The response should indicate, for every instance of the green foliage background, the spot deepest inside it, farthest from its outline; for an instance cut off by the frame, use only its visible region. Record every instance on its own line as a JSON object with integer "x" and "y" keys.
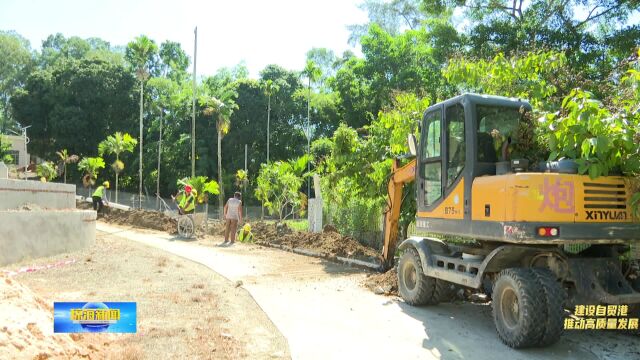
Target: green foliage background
{"x": 575, "y": 61}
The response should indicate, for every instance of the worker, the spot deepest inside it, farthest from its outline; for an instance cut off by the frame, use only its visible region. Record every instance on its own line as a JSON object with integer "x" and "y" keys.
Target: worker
{"x": 245, "y": 234}
{"x": 232, "y": 216}
{"x": 98, "y": 196}
{"x": 188, "y": 201}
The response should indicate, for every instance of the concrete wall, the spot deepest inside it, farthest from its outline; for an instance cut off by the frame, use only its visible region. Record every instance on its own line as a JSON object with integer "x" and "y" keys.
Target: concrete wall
{"x": 32, "y": 234}
{"x": 15, "y": 193}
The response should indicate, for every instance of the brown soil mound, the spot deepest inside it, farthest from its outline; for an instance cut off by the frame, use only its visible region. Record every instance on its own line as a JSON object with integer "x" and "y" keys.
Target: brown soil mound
{"x": 140, "y": 218}
{"x": 26, "y": 330}
{"x": 386, "y": 283}
{"x": 137, "y": 218}
{"x": 329, "y": 242}
{"x": 215, "y": 227}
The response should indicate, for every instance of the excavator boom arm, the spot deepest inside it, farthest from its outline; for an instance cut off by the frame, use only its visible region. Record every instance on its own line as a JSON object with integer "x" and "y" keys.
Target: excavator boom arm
{"x": 400, "y": 176}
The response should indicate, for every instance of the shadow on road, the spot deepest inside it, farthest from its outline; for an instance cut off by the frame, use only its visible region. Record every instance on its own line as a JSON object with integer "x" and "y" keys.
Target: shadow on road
{"x": 466, "y": 331}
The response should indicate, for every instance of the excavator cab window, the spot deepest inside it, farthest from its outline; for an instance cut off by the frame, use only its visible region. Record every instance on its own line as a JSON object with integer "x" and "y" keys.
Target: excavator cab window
{"x": 430, "y": 160}
{"x": 496, "y": 125}
{"x": 455, "y": 142}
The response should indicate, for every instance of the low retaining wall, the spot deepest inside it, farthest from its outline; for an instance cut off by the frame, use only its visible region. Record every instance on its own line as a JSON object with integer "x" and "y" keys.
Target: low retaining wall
{"x": 39, "y": 233}
{"x": 16, "y": 193}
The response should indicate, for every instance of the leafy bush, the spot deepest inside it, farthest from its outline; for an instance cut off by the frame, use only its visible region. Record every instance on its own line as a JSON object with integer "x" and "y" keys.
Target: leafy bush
{"x": 278, "y": 186}
{"x": 5, "y": 147}
{"x": 600, "y": 141}
{"x": 47, "y": 171}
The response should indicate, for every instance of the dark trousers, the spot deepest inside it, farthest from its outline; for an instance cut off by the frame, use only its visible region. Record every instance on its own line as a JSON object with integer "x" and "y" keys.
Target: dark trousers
{"x": 97, "y": 203}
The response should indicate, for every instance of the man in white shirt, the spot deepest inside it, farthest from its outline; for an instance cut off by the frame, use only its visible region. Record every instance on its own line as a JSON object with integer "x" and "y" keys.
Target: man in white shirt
{"x": 232, "y": 216}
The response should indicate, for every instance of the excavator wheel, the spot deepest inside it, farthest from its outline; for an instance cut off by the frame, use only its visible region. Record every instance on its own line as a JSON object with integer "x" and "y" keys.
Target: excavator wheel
{"x": 554, "y": 299}
{"x": 414, "y": 286}
{"x": 518, "y": 313}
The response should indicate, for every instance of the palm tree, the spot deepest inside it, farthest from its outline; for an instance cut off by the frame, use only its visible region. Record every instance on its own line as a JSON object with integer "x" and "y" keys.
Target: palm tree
{"x": 269, "y": 89}
{"x": 91, "y": 166}
{"x": 165, "y": 93}
{"x": 141, "y": 54}
{"x": 66, "y": 159}
{"x": 117, "y": 144}
{"x": 312, "y": 73}
{"x": 222, "y": 112}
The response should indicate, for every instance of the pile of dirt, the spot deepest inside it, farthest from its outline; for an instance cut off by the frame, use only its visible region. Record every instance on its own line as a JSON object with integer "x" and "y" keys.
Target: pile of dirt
{"x": 215, "y": 227}
{"x": 140, "y": 218}
{"x": 383, "y": 284}
{"x": 329, "y": 242}
{"x": 83, "y": 205}
{"x": 26, "y": 329}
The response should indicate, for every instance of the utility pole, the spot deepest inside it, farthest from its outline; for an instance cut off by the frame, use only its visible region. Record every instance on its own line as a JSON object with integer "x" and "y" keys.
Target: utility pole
{"x": 309, "y": 140}
{"x": 159, "y": 155}
{"x": 268, "y": 121}
{"x": 193, "y": 115}
{"x": 141, "y": 138}
{"x": 244, "y": 184}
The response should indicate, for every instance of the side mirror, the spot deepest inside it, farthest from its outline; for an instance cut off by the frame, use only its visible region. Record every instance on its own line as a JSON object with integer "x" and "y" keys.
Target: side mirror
{"x": 413, "y": 147}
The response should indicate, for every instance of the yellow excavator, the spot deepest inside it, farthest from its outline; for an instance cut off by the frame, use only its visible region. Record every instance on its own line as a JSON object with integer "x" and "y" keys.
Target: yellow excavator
{"x": 535, "y": 238}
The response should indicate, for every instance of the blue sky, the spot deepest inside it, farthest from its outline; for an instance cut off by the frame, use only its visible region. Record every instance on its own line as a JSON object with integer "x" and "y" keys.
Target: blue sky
{"x": 256, "y": 32}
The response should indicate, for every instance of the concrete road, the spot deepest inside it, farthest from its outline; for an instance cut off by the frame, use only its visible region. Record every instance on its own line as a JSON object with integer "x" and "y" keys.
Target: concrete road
{"x": 324, "y": 313}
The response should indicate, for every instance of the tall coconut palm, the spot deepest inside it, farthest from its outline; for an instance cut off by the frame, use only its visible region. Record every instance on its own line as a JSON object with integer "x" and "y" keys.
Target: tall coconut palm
{"x": 222, "y": 112}
{"x": 312, "y": 72}
{"x": 141, "y": 54}
{"x": 116, "y": 144}
{"x": 269, "y": 89}
{"x": 165, "y": 93}
{"x": 66, "y": 159}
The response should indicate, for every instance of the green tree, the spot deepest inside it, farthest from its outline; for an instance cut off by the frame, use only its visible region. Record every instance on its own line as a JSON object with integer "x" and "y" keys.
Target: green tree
{"x": 530, "y": 76}
{"x": 392, "y": 16}
{"x": 278, "y": 188}
{"x": 222, "y": 112}
{"x": 174, "y": 61}
{"x": 14, "y": 67}
{"x": 141, "y": 54}
{"x": 269, "y": 88}
{"x": 5, "y": 147}
{"x": 117, "y": 144}
{"x": 326, "y": 61}
{"x": 66, "y": 159}
{"x": 312, "y": 72}
{"x": 75, "y": 100}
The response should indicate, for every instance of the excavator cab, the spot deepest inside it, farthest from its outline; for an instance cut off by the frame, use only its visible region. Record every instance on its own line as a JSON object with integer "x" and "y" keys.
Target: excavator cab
{"x": 490, "y": 222}
{"x": 470, "y": 185}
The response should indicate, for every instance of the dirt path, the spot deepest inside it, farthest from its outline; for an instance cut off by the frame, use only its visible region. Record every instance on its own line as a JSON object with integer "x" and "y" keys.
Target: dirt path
{"x": 185, "y": 311}
{"x": 324, "y": 313}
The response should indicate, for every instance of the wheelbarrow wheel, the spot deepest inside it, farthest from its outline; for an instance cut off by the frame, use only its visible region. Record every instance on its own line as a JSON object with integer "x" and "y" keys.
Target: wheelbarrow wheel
{"x": 185, "y": 226}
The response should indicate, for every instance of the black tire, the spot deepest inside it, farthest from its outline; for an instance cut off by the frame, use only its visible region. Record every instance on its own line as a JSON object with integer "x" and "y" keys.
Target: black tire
{"x": 554, "y": 300}
{"x": 516, "y": 308}
{"x": 413, "y": 285}
{"x": 445, "y": 291}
